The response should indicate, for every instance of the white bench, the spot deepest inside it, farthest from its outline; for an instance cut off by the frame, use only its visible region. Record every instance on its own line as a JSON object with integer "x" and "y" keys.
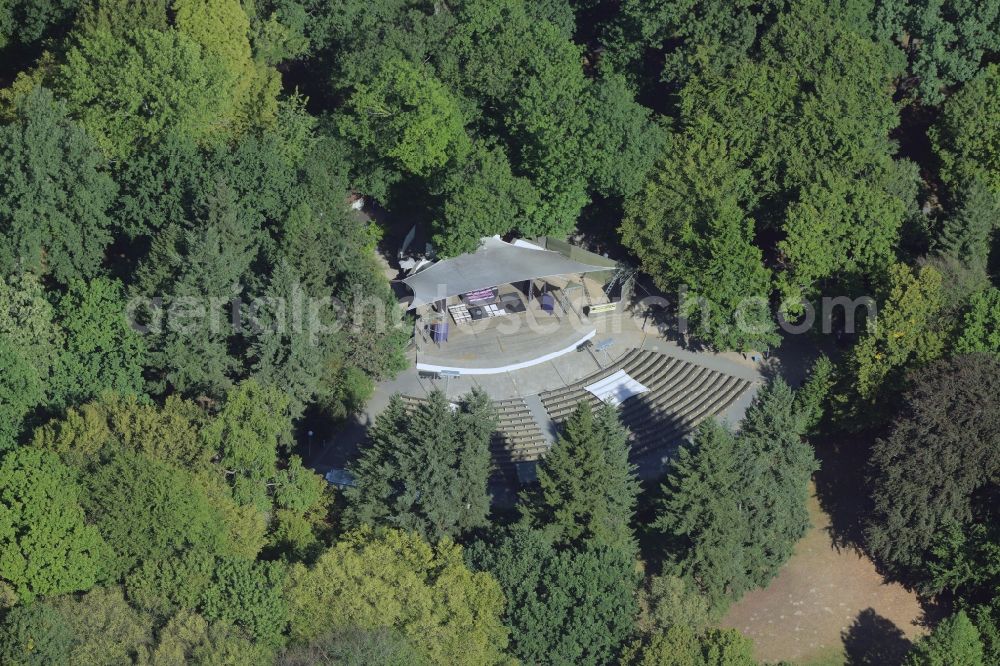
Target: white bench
{"x": 460, "y": 313}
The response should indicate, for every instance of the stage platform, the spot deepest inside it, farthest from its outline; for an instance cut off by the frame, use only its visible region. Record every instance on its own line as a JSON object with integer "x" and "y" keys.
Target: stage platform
{"x": 510, "y": 342}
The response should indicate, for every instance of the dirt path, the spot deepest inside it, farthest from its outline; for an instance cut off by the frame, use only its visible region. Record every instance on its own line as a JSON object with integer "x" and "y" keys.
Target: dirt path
{"x": 828, "y": 607}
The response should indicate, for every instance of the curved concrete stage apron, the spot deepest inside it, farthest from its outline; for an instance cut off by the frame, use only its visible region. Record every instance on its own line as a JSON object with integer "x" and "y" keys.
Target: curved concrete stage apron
{"x": 496, "y": 370}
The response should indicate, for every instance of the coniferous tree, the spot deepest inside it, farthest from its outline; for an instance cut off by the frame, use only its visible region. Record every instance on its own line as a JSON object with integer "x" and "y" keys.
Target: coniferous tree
{"x": 197, "y": 272}
{"x": 966, "y": 233}
{"x": 702, "y": 513}
{"x": 474, "y": 424}
{"x": 776, "y": 467}
{"x": 587, "y": 487}
{"x": 426, "y": 468}
{"x": 736, "y": 505}
{"x": 286, "y": 345}
{"x": 810, "y": 398}
{"x": 54, "y": 193}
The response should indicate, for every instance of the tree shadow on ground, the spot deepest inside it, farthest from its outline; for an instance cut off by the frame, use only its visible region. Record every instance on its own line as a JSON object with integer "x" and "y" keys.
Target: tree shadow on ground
{"x": 873, "y": 640}
{"x": 654, "y": 545}
{"x": 841, "y": 488}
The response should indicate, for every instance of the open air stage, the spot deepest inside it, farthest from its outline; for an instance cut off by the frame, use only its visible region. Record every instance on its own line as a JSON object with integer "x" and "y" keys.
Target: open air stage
{"x": 537, "y": 332}
{"x": 516, "y": 340}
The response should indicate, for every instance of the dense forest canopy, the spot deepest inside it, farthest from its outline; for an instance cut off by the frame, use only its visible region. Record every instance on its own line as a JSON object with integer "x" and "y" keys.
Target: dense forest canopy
{"x": 172, "y": 170}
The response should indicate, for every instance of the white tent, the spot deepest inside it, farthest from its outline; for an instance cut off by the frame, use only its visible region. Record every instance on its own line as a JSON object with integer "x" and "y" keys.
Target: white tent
{"x": 616, "y": 388}
{"x": 494, "y": 263}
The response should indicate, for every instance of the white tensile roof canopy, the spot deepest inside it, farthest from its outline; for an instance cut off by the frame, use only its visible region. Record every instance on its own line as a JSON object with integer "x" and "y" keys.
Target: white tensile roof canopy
{"x": 616, "y": 388}
{"x": 494, "y": 263}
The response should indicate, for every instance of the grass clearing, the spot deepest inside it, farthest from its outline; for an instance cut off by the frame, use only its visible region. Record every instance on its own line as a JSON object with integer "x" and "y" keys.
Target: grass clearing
{"x": 828, "y": 606}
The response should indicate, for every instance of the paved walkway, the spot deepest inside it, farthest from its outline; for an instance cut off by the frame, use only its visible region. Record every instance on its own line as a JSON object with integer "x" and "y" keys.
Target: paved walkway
{"x": 548, "y": 427}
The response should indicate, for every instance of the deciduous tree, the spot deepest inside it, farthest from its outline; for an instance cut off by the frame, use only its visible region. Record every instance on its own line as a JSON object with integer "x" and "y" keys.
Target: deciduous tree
{"x": 105, "y": 628}
{"x": 949, "y": 40}
{"x": 572, "y": 605}
{"x": 839, "y": 226}
{"x": 147, "y": 509}
{"x": 680, "y": 646}
{"x": 907, "y": 330}
{"x": 623, "y": 141}
{"x": 20, "y": 391}
{"x": 979, "y": 330}
{"x": 189, "y": 638}
{"x": 691, "y": 33}
{"x": 689, "y": 231}
{"x": 27, "y": 320}
{"x": 35, "y": 635}
{"x": 669, "y": 601}
{"x": 25, "y": 21}
{"x": 171, "y": 433}
{"x": 47, "y": 546}
{"x": 356, "y": 647}
{"x": 248, "y": 594}
{"x": 407, "y": 116}
{"x": 942, "y": 451}
{"x": 135, "y": 74}
{"x": 102, "y": 353}
{"x": 129, "y": 90}
{"x": 482, "y": 198}
{"x": 397, "y": 581}
{"x": 954, "y": 642}
{"x": 247, "y": 432}
{"x": 966, "y": 137}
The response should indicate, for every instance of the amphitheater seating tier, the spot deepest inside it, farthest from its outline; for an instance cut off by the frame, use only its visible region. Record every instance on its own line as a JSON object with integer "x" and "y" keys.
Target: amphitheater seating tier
{"x": 518, "y": 436}
{"x": 681, "y": 395}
